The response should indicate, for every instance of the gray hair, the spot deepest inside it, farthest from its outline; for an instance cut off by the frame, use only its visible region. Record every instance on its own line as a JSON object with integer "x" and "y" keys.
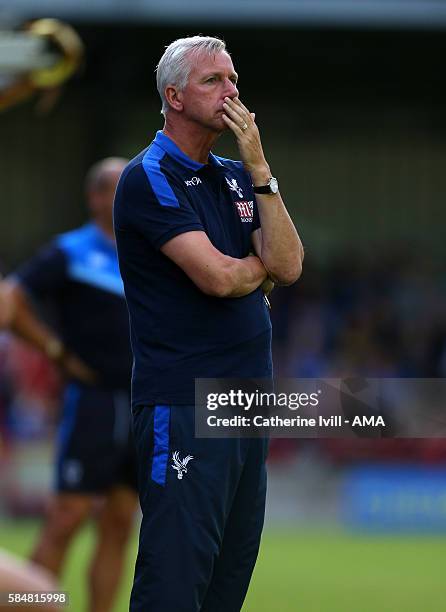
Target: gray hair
{"x": 176, "y": 63}
{"x": 98, "y": 176}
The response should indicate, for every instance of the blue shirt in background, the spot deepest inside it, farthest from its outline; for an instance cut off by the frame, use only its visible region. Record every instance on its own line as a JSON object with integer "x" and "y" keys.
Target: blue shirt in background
{"x": 78, "y": 276}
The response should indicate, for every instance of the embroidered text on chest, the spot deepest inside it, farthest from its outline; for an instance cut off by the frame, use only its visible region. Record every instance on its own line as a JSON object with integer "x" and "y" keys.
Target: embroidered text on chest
{"x": 245, "y": 210}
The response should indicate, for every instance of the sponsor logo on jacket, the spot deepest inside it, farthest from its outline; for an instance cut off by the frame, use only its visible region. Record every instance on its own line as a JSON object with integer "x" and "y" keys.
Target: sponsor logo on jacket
{"x": 245, "y": 210}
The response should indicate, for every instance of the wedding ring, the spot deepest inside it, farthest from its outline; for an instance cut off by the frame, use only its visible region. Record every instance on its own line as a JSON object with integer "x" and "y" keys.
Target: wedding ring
{"x": 245, "y": 126}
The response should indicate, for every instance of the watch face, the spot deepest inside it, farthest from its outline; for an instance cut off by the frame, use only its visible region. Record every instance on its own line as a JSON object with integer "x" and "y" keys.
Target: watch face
{"x": 274, "y": 185}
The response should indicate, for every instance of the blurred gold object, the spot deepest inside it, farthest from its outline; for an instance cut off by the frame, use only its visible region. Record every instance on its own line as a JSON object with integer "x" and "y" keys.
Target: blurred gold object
{"x": 69, "y": 46}
{"x": 61, "y": 57}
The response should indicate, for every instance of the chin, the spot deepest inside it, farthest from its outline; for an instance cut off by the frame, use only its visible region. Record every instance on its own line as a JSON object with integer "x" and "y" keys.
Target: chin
{"x": 216, "y": 128}
{"x": 219, "y": 126}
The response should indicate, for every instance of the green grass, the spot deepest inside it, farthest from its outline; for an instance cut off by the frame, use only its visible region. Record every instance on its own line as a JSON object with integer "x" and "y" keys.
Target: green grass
{"x": 316, "y": 571}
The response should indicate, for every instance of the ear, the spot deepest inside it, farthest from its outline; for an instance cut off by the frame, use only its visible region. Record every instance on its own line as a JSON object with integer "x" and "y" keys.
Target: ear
{"x": 174, "y": 97}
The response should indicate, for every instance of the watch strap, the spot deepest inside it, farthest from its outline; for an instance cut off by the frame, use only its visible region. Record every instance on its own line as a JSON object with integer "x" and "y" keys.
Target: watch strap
{"x": 271, "y": 187}
{"x": 262, "y": 189}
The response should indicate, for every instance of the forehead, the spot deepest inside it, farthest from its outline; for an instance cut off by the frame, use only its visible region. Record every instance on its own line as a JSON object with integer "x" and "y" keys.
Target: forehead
{"x": 204, "y": 63}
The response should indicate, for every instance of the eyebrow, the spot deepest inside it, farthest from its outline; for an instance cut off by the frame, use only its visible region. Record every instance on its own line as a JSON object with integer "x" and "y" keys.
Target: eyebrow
{"x": 211, "y": 74}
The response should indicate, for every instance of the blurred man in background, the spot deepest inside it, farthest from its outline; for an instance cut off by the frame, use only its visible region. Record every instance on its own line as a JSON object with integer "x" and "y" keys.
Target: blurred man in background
{"x": 186, "y": 222}
{"x": 78, "y": 275}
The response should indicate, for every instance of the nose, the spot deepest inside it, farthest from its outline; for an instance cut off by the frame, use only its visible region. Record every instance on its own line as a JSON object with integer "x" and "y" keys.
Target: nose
{"x": 231, "y": 89}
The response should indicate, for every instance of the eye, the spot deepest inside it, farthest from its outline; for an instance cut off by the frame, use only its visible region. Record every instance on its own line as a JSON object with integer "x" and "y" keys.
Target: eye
{"x": 211, "y": 79}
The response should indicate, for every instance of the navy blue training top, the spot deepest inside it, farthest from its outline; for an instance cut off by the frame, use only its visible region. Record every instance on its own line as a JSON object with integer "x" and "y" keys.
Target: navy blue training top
{"x": 78, "y": 274}
{"x": 179, "y": 333}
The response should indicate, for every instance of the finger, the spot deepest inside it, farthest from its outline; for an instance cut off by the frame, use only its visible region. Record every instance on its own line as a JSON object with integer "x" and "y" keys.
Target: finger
{"x": 235, "y": 116}
{"x": 233, "y": 125}
{"x": 249, "y": 116}
{"x": 234, "y": 113}
{"x": 240, "y": 103}
{"x": 238, "y": 109}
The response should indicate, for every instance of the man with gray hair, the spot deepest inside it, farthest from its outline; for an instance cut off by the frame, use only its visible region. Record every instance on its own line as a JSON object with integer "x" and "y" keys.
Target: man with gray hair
{"x": 186, "y": 224}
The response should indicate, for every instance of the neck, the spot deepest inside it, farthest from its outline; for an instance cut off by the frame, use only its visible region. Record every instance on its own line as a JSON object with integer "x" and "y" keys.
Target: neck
{"x": 193, "y": 139}
{"x": 106, "y": 228}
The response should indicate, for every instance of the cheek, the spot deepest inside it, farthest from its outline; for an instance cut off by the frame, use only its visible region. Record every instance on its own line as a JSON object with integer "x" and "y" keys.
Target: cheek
{"x": 201, "y": 103}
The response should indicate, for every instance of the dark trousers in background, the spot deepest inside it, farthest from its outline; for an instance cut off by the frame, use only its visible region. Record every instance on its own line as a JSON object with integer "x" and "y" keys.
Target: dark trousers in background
{"x": 202, "y": 516}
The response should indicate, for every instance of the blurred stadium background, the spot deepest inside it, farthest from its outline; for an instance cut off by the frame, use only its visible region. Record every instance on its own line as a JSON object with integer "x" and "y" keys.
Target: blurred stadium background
{"x": 350, "y": 98}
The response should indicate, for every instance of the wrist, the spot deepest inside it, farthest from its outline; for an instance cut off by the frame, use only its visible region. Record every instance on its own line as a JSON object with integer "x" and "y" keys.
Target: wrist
{"x": 258, "y": 268}
{"x": 260, "y": 175}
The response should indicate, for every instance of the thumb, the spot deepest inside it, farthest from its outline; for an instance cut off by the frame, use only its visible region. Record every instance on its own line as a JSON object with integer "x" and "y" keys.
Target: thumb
{"x": 253, "y": 115}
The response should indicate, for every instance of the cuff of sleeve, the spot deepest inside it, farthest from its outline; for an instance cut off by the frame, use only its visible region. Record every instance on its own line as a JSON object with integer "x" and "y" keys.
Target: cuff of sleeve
{"x": 176, "y": 231}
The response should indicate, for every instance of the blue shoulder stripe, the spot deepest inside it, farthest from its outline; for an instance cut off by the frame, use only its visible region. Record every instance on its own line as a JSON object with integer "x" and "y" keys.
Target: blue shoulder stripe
{"x": 157, "y": 179}
{"x": 91, "y": 259}
{"x": 106, "y": 280}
